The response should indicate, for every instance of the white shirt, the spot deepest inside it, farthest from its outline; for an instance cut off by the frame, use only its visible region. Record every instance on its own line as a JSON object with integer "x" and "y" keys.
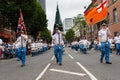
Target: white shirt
{"x": 45, "y": 44}
{"x": 117, "y": 39}
{"x": 56, "y": 39}
{"x": 75, "y": 43}
{"x": 21, "y": 42}
{"x": 103, "y": 34}
{"x": 110, "y": 41}
{"x": 1, "y": 41}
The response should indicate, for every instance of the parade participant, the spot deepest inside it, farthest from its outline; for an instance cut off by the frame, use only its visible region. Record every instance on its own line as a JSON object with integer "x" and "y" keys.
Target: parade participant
{"x": 117, "y": 43}
{"x": 103, "y": 35}
{"x": 75, "y": 44}
{"x": 58, "y": 45}
{"x": 110, "y": 40}
{"x": 16, "y": 47}
{"x": 21, "y": 43}
{"x": 1, "y": 48}
{"x": 84, "y": 44}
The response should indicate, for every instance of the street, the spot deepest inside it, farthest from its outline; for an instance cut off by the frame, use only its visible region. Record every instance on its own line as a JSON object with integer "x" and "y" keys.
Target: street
{"x": 76, "y": 66}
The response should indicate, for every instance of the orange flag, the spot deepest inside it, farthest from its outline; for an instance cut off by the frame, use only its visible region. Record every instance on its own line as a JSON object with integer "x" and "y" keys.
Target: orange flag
{"x": 97, "y": 14}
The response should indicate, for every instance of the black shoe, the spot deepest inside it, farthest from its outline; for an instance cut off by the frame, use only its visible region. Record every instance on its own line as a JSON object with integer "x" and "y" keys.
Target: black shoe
{"x": 108, "y": 63}
{"x": 22, "y": 65}
{"x": 101, "y": 60}
{"x": 60, "y": 64}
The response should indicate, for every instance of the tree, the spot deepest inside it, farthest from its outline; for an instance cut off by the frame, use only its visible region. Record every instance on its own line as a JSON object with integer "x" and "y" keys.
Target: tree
{"x": 46, "y": 35}
{"x": 82, "y": 24}
{"x": 34, "y": 16}
{"x": 69, "y": 36}
{"x": 39, "y": 21}
{"x": 58, "y": 21}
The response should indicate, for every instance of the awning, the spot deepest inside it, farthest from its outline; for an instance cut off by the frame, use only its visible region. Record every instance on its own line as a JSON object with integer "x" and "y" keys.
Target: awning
{"x": 4, "y": 35}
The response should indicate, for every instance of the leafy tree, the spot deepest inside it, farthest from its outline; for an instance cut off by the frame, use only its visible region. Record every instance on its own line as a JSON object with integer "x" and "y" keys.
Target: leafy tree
{"x": 69, "y": 36}
{"x": 39, "y": 21}
{"x": 83, "y": 25}
{"x": 46, "y": 35}
{"x": 34, "y": 16}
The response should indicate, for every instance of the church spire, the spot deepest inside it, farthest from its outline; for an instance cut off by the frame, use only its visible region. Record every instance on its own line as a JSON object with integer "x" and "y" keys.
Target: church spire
{"x": 58, "y": 21}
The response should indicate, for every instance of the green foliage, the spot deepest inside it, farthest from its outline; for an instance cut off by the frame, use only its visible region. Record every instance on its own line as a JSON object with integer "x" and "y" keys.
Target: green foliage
{"x": 46, "y": 35}
{"x": 34, "y": 16}
{"x": 82, "y": 24}
{"x": 69, "y": 36}
{"x": 78, "y": 18}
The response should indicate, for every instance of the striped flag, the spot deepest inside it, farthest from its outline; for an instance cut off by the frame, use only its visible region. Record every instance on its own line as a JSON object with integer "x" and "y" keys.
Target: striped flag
{"x": 21, "y": 25}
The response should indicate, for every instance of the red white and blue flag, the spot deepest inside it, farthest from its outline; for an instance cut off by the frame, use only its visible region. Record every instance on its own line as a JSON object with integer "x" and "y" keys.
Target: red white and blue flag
{"x": 21, "y": 25}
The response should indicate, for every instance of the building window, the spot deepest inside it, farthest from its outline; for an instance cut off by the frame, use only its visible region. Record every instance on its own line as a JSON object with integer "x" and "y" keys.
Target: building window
{"x": 113, "y": 0}
{"x": 115, "y": 15}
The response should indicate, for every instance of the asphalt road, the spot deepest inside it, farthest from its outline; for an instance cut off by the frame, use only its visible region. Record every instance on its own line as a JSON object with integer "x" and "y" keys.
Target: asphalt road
{"x": 76, "y": 66}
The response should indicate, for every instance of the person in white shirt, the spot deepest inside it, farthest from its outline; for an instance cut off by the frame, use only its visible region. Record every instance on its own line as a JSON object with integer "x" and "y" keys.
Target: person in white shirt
{"x": 75, "y": 45}
{"x": 103, "y": 35}
{"x": 117, "y": 43}
{"x": 1, "y": 48}
{"x": 45, "y": 46}
{"x": 21, "y": 43}
{"x": 58, "y": 42}
{"x": 110, "y": 40}
{"x": 84, "y": 45}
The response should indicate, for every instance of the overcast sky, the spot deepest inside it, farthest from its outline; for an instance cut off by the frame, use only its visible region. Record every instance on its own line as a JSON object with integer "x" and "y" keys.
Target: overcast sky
{"x": 67, "y": 9}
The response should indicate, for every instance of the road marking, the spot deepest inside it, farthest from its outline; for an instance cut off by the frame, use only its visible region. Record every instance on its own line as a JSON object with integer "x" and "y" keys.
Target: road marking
{"x": 66, "y": 52}
{"x": 67, "y": 72}
{"x": 90, "y": 74}
{"x": 43, "y": 72}
{"x": 52, "y": 58}
{"x": 70, "y": 56}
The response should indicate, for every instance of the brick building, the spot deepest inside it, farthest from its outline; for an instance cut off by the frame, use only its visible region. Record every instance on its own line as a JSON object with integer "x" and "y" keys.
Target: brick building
{"x": 113, "y": 18}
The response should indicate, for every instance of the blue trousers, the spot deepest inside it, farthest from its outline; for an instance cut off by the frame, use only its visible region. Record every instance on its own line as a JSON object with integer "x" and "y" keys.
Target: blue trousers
{"x": 118, "y": 48}
{"x": 58, "y": 52}
{"x": 82, "y": 48}
{"x": 22, "y": 54}
{"x": 105, "y": 51}
{"x": 17, "y": 52}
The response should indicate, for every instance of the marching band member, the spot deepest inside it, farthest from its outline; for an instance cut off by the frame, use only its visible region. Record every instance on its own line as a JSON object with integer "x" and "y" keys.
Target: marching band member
{"x": 21, "y": 43}
{"x": 58, "y": 46}
{"x": 103, "y": 35}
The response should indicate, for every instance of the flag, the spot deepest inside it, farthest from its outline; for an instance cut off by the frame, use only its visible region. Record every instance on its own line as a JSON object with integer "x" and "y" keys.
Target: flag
{"x": 21, "y": 25}
{"x": 97, "y": 14}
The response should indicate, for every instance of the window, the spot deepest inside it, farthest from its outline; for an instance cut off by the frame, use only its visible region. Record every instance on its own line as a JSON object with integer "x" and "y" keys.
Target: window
{"x": 115, "y": 16}
{"x": 113, "y": 0}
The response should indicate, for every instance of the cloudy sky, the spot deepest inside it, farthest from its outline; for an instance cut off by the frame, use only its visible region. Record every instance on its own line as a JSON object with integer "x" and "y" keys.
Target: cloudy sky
{"x": 67, "y": 8}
